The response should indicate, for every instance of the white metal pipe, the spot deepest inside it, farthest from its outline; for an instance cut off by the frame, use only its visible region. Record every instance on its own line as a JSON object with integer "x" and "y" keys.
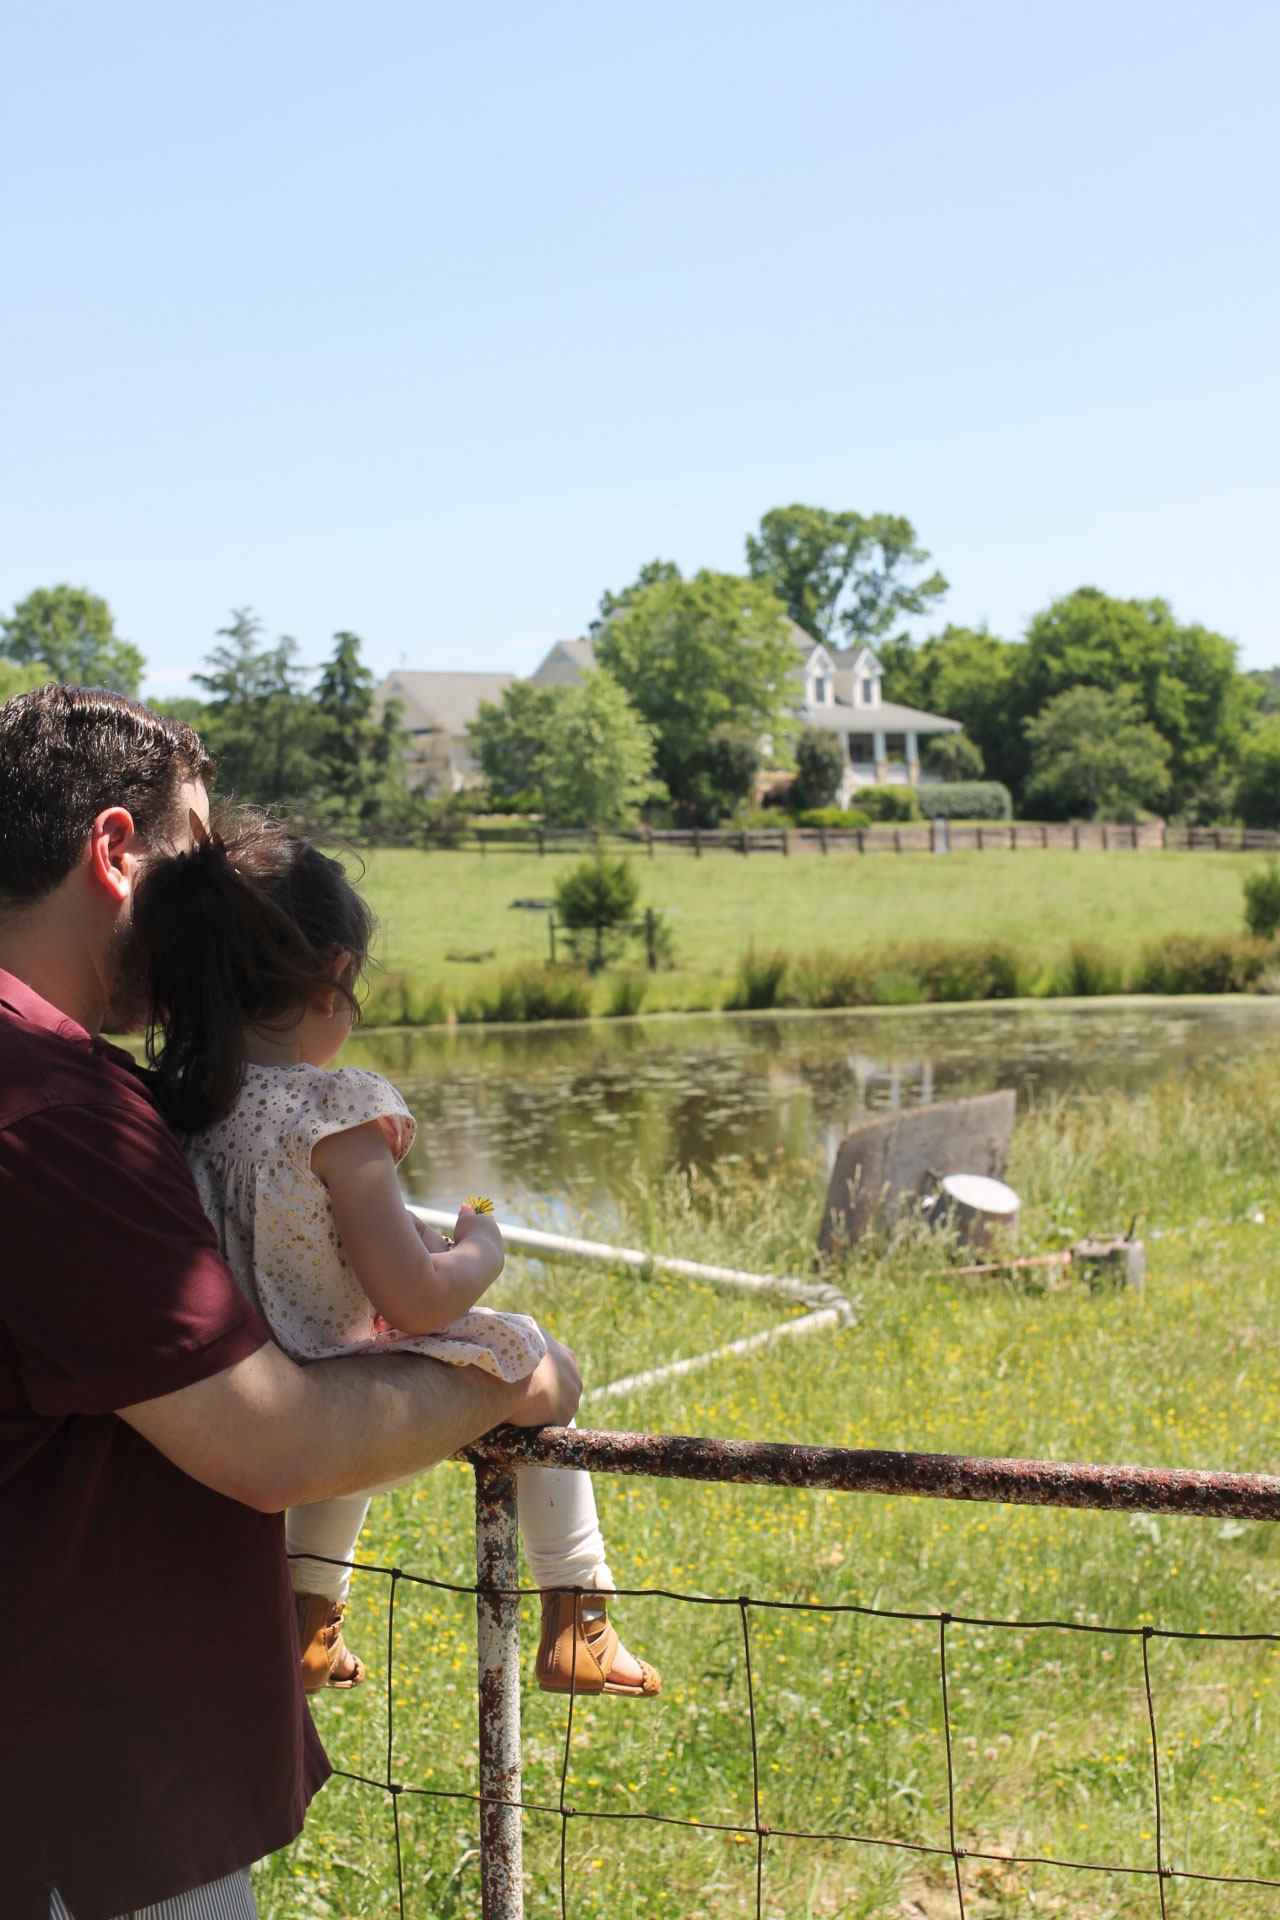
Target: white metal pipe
{"x": 841, "y": 1316}
{"x": 560, "y": 1246}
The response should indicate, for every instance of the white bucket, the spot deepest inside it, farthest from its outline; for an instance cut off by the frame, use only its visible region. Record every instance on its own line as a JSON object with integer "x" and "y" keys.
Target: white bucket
{"x": 974, "y": 1205}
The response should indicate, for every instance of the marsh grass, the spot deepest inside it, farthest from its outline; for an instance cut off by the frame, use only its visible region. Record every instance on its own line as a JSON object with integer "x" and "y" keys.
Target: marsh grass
{"x": 1051, "y": 1749}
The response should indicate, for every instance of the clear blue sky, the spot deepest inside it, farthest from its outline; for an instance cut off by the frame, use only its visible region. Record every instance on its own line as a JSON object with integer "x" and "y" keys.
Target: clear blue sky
{"x": 434, "y": 320}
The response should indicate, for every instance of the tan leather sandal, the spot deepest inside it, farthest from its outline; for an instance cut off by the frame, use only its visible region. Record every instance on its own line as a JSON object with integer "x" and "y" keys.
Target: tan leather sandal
{"x": 579, "y": 1648}
{"x": 327, "y": 1661}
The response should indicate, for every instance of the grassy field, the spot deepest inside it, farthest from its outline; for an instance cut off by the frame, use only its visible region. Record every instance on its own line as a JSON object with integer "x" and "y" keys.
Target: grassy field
{"x": 448, "y": 917}
{"x": 1049, "y": 1728}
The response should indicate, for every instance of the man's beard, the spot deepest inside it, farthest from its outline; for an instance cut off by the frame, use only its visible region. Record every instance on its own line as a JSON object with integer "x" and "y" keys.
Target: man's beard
{"x": 128, "y": 999}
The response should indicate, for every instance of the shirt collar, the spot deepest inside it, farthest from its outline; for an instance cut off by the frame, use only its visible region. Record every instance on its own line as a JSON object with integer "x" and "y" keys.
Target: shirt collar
{"x": 28, "y": 1005}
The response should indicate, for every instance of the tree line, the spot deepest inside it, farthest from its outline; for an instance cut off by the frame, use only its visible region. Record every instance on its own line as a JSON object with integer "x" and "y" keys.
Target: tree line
{"x": 1102, "y": 708}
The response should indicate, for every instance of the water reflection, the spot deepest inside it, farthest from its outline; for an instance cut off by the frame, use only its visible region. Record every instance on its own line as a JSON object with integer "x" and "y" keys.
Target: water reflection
{"x": 578, "y": 1110}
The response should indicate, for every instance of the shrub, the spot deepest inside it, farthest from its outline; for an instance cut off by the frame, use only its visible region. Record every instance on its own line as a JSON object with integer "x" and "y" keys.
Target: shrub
{"x": 759, "y": 983}
{"x": 594, "y": 901}
{"x": 1204, "y": 963}
{"x": 905, "y": 976}
{"x": 819, "y": 769}
{"x": 964, "y": 969}
{"x": 531, "y": 993}
{"x": 1088, "y": 970}
{"x": 397, "y": 1000}
{"x": 893, "y": 804}
{"x": 835, "y": 979}
{"x": 966, "y": 800}
{"x": 1262, "y": 900}
{"x": 833, "y": 817}
{"x": 626, "y": 996}
{"x": 954, "y": 756}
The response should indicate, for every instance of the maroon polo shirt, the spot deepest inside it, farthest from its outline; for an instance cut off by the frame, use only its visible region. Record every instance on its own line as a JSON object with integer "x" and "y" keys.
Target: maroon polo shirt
{"x": 155, "y": 1731}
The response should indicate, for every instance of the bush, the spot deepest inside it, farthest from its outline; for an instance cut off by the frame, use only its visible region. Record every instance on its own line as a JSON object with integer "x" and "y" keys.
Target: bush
{"x": 760, "y": 982}
{"x": 594, "y": 902}
{"x": 906, "y": 976}
{"x": 396, "y": 1000}
{"x": 531, "y": 993}
{"x": 896, "y": 805}
{"x": 966, "y": 800}
{"x": 1204, "y": 963}
{"x": 1088, "y": 970}
{"x": 626, "y": 996}
{"x": 820, "y": 766}
{"x": 833, "y": 817}
{"x": 1262, "y": 900}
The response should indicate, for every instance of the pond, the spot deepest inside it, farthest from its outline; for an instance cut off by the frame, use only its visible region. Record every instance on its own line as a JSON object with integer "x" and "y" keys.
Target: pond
{"x": 536, "y": 1115}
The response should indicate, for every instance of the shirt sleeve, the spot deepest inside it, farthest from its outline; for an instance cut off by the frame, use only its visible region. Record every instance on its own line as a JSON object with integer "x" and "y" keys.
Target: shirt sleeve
{"x": 112, "y": 1284}
{"x": 347, "y": 1097}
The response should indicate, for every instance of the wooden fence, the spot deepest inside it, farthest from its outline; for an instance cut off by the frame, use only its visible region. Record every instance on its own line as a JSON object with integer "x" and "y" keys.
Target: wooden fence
{"x": 997, "y": 836}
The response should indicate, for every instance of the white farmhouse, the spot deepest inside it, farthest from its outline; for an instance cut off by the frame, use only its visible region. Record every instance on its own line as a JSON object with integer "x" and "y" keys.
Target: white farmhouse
{"x": 435, "y": 710}
{"x": 840, "y": 693}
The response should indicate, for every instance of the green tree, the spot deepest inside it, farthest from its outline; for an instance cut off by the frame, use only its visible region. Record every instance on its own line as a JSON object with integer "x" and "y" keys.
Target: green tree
{"x": 819, "y": 770}
{"x": 261, "y": 726}
{"x": 597, "y": 767}
{"x": 843, "y": 576}
{"x": 595, "y": 901}
{"x": 954, "y": 757}
{"x": 361, "y": 762}
{"x": 1184, "y": 679}
{"x": 694, "y": 656}
{"x": 1258, "y": 792}
{"x": 16, "y": 679}
{"x": 733, "y": 764}
{"x": 970, "y": 675}
{"x": 1092, "y": 753}
{"x": 70, "y": 632}
{"x": 509, "y": 737}
{"x": 651, "y": 574}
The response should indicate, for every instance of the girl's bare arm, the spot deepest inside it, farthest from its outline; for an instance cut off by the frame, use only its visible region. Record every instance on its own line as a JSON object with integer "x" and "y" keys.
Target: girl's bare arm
{"x": 416, "y": 1290}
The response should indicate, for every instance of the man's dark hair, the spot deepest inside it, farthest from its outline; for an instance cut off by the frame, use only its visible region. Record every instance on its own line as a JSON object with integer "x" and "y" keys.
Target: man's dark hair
{"x": 68, "y": 753}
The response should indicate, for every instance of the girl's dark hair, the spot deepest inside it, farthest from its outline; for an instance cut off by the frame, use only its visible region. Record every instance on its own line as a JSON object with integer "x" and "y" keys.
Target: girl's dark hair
{"x": 240, "y": 931}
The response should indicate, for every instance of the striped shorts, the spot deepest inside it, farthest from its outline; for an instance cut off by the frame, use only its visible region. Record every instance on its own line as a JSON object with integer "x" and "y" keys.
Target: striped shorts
{"x": 229, "y": 1899}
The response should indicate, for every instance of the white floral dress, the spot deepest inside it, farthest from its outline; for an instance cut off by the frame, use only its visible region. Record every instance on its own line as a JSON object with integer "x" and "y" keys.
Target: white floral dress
{"x": 273, "y": 1217}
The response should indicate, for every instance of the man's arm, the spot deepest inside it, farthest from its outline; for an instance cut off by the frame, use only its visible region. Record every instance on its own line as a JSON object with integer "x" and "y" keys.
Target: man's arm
{"x": 273, "y": 1434}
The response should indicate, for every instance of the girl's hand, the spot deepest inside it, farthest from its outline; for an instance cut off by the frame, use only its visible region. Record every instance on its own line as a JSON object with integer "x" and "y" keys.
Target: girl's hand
{"x": 479, "y": 1233}
{"x": 433, "y": 1242}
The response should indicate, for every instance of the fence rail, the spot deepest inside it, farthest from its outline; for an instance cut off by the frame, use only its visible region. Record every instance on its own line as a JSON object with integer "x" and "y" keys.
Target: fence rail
{"x": 500, "y": 1799}
{"x": 996, "y": 836}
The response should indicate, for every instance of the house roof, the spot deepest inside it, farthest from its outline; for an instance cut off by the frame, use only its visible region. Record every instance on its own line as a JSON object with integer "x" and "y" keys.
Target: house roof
{"x": 581, "y": 652}
{"x": 441, "y": 702}
{"x": 886, "y": 718}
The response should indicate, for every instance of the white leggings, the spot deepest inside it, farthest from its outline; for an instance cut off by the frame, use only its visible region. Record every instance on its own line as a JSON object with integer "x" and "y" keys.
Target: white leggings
{"x": 558, "y": 1523}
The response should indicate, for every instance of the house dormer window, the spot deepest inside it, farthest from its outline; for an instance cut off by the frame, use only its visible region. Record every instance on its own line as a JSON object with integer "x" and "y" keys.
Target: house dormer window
{"x": 819, "y": 697}
{"x": 868, "y": 690}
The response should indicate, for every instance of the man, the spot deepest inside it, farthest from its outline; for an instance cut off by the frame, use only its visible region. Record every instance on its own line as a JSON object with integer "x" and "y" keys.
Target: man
{"x": 156, "y": 1738}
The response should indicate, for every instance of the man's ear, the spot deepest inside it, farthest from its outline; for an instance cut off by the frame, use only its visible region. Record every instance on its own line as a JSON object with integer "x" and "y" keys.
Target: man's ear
{"x": 113, "y": 852}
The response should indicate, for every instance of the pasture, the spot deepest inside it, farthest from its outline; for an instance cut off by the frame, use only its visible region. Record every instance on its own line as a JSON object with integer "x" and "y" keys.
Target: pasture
{"x": 1049, "y": 1729}
{"x": 447, "y": 917}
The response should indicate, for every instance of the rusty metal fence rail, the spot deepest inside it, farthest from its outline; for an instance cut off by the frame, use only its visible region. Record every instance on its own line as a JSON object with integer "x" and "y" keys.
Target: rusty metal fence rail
{"x": 500, "y": 1798}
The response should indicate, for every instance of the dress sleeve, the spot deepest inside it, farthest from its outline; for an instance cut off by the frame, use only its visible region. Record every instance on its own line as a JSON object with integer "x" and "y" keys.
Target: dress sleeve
{"x": 347, "y": 1097}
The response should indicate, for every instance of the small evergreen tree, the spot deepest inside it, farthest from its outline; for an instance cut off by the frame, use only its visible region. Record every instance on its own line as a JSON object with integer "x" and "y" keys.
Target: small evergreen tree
{"x": 819, "y": 770}
{"x": 594, "y": 902}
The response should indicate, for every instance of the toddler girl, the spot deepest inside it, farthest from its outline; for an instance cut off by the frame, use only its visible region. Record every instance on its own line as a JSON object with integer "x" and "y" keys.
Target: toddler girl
{"x": 253, "y": 947}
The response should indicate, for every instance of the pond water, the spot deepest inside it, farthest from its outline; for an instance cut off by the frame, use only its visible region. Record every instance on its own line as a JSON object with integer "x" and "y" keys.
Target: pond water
{"x": 535, "y": 1115}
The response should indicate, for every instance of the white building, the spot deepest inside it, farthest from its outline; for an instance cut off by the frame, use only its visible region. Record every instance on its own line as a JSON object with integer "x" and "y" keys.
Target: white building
{"x": 435, "y": 710}
{"x": 840, "y": 693}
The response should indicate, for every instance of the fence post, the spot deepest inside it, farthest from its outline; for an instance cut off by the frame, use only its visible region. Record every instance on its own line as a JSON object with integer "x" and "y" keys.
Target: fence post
{"x": 822, "y": 837}
{"x": 746, "y": 840}
{"x": 498, "y": 1653}
{"x": 862, "y": 845}
{"x": 1075, "y": 838}
{"x": 542, "y": 839}
{"x": 786, "y": 842}
{"x": 697, "y": 843}
{"x": 979, "y": 839}
{"x": 648, "y": 835}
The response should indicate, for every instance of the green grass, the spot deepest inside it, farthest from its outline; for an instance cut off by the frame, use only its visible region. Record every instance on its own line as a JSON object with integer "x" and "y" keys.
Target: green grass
{"x": 1049, "y": 1728}
{"x": 433, "y": 905}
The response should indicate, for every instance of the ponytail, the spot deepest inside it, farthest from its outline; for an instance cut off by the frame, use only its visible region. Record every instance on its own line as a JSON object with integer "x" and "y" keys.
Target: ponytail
{"x": 231, "y": 934}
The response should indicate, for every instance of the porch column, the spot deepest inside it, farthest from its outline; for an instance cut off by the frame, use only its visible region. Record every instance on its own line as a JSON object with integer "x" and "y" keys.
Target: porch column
{"x": 881, "y": 752}
{"x": 913, "y": 760}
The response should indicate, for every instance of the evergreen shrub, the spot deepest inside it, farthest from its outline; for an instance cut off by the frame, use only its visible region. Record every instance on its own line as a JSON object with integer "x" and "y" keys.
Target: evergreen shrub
{"x": 894, "y": 805}
{"x": 966, "y": 800}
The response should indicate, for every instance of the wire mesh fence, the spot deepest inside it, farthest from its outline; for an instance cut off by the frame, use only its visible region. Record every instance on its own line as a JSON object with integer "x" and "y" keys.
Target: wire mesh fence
{"x": 502, "y": 1803}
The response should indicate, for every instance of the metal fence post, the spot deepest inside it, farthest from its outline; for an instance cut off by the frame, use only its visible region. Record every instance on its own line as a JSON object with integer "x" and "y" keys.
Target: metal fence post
{"x": 498, "y": 1651}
